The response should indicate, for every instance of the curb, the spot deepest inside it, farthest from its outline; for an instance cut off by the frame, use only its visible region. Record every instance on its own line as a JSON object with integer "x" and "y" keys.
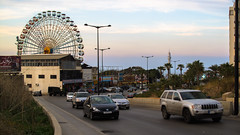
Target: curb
{"x": 56, "y": 126}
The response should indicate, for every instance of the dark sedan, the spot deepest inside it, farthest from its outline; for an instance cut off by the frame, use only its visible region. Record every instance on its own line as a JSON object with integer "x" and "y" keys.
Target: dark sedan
{"x": 100, "y": 106}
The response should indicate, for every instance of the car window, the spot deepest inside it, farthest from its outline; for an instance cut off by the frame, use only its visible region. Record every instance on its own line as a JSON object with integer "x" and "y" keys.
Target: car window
{"x": 117, "y": 97}
{"x": 192, "y": 95}
{"x": 82, "y": 94}
{"x": 169, "y": 96}
{"x": 101, "y": 100}
{"x": 164, "y": 95}
{"x": 175, "y": 95}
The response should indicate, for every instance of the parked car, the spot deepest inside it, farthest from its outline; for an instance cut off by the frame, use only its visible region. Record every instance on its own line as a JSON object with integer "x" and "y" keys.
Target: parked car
{"x": 79, "y": 98}
{"x": 100, "y": 106}
{"x": 69, "y": 96}
{"x": 120, "y": 100}
{"x": 191, "y": 104}
{"x": 37, "y": 93}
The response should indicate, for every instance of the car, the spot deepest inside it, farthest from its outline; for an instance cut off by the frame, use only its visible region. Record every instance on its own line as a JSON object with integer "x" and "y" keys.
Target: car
{"x": 37, "y": 93}
{"x": 131, "y": 95}
{"x": 69, "y": 96}
{"x": 100, "y": 106}
{"x": 79, "y": 98}
{"x": 191, "y": 104}
{"x": 120, "y": 100}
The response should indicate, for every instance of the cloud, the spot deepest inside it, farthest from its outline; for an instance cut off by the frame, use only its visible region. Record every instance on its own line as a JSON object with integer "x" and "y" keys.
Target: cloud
{"x": 12, "y": 9}
{"x": 176, "y": 29}
{"x": 10, "y": 30}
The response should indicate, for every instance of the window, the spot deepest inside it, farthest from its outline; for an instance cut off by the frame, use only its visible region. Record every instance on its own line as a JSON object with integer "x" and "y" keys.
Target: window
{"x": 41, "y": 76}
{"x": 53, "y": 76}
{"x": 29, "y": 85}
{"x": 164, "y": 95}
{"x": 28, "y": 76}
{"x": 169, "y": 96}
{"x": 175, "y": 95}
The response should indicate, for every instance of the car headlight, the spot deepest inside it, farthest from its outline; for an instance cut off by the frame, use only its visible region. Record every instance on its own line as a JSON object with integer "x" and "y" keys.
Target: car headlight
{"x": 197, "y": 107}
{"x": 220, "y": 105}
{"x": 95, "y": 109}
{"x": 116, "y": 109}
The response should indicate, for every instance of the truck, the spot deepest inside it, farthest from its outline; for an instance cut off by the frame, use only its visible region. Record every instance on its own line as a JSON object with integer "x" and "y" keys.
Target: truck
{"x": 55, "y": 91}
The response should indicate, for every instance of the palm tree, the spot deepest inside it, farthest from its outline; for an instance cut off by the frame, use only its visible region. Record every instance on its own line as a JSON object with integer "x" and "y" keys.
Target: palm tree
{"x": 180, "y": 67}
{"x": 195, "y": 70}
{"x": 161, "y": 70}
{"x": 168, "y": 66}
{"x": 214, "y": 69}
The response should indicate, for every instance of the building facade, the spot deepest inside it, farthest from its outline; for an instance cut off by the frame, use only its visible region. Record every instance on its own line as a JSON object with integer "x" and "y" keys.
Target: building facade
{"x": 231, "y": 35}
{"x": 53, "y": 70}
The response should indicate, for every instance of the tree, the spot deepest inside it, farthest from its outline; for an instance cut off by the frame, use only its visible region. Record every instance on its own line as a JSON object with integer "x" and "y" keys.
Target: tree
{"x": 195, "y": 70}
{"x": 180, "y": 67}
{"x": 213, "y": 73}
{"x": 161, "y": 70}
{"x": 168, "y": 66}
{"x": 226, "y": 70}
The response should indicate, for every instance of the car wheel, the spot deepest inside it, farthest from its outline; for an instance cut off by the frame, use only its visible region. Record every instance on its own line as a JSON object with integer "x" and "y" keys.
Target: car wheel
{"x": 217, "y": 119}
{"x": 91, "y": 116}
{"x": 128, "y": 108}
{"x": 165, "y": 114}
{"x": 116, "y": 117}
{"x": 84, "y": 114}
{"x": 187, "y": 116}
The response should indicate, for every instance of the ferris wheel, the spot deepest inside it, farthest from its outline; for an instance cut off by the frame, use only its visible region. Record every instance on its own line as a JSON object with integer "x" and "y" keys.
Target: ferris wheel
{"x": 50, "y": 32}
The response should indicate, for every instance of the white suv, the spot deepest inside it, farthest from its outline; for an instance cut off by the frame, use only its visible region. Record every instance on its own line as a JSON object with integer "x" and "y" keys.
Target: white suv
{"x": 191, "y": 104}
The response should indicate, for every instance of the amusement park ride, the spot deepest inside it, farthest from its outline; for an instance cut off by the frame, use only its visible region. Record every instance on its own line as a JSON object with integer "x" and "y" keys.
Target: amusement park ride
{"x": 50, "y": 32}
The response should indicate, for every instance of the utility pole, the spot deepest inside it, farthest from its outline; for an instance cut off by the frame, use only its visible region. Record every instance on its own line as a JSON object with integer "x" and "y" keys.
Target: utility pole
{"x": 236, "y": 97}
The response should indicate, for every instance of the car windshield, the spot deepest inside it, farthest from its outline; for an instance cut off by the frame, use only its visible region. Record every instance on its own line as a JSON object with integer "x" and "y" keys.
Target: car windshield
{"x": 117, "y": 97}
{"x": 192, "y": 95}
{"x": 101, "y": 100}
{"x": 82, "y": 94}
{"x": 70, "y": 93}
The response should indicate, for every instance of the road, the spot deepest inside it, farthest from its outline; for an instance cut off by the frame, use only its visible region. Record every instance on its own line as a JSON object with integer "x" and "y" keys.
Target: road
{"x": 141, "y": 121}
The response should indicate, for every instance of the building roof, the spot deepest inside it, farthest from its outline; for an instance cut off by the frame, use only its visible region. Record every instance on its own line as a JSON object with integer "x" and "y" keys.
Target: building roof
{"x": 43, "y": 56}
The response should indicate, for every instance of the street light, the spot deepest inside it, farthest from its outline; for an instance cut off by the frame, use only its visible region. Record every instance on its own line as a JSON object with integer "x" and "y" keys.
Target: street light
{"x": 97, "y": 27}
{"x": 147, "y": 57}
{"x": 102, "y": 62}
{"x": 175, "y": 65}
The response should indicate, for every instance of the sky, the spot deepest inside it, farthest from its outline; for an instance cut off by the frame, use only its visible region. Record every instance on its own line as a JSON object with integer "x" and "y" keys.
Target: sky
{"x": 190, "y": 29}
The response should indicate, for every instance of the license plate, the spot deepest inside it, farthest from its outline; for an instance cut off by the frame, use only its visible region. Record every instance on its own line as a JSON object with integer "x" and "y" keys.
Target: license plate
{"x": 109, "y": 112}
{"x": 211, "y": 112}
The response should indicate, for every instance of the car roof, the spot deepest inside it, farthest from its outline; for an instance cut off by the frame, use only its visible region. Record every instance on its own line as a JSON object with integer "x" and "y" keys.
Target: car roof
{"x": 183, "y": 90}
{"x": 81, "y": 92}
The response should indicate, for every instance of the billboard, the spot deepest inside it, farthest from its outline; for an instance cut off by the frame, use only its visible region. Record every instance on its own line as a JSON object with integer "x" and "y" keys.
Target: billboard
{"x": 10, "y": 63}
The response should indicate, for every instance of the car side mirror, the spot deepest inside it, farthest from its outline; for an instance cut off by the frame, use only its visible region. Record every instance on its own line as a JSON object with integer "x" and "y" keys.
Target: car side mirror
{"x": 176, "y": 98}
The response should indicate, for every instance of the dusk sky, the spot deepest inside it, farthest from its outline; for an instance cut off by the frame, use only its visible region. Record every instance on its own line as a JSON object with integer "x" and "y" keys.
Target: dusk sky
{"x": 190, "y": 29}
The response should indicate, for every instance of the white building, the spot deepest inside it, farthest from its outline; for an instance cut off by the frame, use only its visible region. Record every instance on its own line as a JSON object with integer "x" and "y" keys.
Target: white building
{"x": 53, "y": 70}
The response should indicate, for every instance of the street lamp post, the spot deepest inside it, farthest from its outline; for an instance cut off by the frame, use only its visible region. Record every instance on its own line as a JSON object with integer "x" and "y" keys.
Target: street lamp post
{"x": 175, "y": 65}
{"x": 147, "y": 57}
{"x": 97, "y": 27}
{"x": 102, "y": 62}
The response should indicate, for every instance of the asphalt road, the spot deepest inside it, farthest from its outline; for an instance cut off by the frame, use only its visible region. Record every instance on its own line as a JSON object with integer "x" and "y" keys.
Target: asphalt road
{"x": 137, "y": 121}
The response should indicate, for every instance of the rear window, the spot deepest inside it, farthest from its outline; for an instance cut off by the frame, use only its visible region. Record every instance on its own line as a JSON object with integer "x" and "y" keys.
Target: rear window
{"x": 169, "y": 96}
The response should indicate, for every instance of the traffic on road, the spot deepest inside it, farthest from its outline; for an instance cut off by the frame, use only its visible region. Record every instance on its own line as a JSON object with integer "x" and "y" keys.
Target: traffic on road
{"x": 138, "y": 120}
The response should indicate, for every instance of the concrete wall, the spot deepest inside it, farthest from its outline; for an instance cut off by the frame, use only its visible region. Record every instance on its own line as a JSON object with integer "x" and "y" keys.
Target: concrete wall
{"x": 155, "y": 102}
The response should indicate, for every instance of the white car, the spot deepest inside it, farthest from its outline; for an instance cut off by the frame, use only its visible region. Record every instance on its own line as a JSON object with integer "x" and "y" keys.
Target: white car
{"x": 79, "y": 98}
{"x": 191, "y": 104}
{"x": 69, "y": 96}
{"x": 120, "y": 100}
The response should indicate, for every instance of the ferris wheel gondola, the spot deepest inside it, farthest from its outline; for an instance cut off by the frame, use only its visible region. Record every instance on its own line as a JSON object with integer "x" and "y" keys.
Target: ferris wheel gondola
{"x": 50, "y": 32}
